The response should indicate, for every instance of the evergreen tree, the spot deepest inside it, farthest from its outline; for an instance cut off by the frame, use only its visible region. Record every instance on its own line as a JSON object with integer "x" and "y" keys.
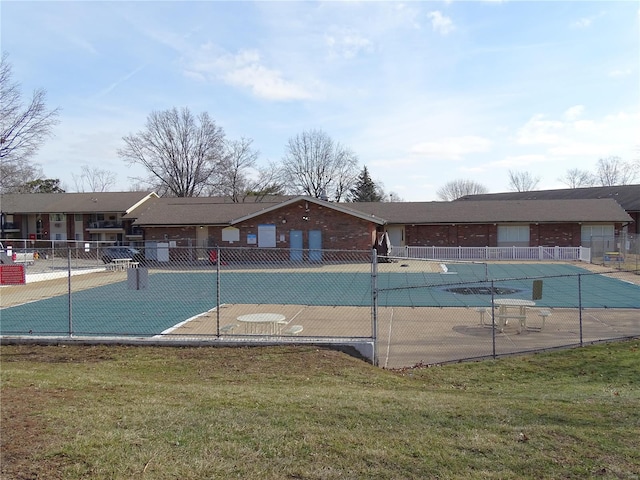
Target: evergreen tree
{"x": 366, "y": 189}
{"x": 43, "y": 185}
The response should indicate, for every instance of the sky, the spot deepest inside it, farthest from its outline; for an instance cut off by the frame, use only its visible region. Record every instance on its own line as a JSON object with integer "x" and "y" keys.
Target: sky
{"x": 423, "y": 92}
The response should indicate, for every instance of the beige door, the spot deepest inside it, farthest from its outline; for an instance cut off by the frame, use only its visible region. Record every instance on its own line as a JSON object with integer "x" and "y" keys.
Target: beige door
{"x": 202, "y": 239}
{"x": 396, "y": 235}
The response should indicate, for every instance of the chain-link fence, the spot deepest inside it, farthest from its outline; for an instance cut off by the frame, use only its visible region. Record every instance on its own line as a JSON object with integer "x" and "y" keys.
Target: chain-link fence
{"x": 621, "y": 252}
{"x": 512, "y": 310}
{"x": 398, "y": 312}
{"x": 50, "y": 255}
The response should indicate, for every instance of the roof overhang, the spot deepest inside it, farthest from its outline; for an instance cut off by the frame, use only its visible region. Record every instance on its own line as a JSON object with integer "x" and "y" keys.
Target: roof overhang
{"x": 334, "y": 206}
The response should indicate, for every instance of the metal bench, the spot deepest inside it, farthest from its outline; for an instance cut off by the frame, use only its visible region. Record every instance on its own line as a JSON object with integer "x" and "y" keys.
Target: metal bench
{"x": 485, "y": 311}
{"x": 543, "y": 313}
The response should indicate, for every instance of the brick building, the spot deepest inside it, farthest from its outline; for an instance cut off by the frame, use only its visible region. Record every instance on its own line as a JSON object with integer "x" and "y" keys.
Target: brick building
{"x": 305, "y": 222}
{"x": 300, "y": 222}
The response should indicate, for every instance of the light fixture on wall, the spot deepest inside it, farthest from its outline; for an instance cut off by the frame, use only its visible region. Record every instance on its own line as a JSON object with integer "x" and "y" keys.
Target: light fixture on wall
{"x": 284, "y": 220}
{"x": 305, "y": 218}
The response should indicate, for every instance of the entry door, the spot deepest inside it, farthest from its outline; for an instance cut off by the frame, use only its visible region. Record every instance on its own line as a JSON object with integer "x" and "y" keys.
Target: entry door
{"x": 396, "y": 235}
{"x": 202, "y": 239}
{"x": 315, "y": 245}
{"x": 295, "y": 245}
{"x": 163, "y": 252}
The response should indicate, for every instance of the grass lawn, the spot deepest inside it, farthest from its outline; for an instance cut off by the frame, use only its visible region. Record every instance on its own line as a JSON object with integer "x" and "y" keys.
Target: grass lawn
{"x": 107, "y": 412}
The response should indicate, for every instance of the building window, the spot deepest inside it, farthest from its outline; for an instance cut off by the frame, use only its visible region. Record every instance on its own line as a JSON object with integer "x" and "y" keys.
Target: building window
{"x": 513, "y": 235}
{"x": 599, "y": 237}
{"x": 58, "y": 217}
{"x": 266, "y": 236}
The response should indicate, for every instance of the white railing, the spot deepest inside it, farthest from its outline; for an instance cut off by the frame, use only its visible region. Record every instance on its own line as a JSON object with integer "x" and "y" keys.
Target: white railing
{"x": 494, "y": 253}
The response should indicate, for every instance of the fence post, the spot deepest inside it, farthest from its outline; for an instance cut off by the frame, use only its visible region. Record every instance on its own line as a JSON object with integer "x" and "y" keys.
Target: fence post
{"x": 374, "y": 304}
{"x": 218, "y": 290}
{"x": 493, "y": 321}
{"x": 580, "y": 305}
{"x": 69, "y": 291}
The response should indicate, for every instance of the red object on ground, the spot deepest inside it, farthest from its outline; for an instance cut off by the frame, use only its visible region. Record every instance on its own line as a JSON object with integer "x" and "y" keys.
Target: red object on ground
{"x": 12, "y": 275}
{"x": 213, "y": 257}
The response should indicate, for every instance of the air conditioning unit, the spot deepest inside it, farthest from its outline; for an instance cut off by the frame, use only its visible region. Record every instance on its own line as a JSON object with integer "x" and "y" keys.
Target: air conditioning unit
{"x": 57, "y": 225}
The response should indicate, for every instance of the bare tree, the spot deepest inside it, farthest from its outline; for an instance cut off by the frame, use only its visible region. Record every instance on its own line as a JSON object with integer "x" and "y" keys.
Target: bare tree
{"x": 179, "y": 151}
{"x": 266, "y": 182}
{"x": 93, "y": 179}
{"x": 576, "y": 178}
{"x": 459, "y": 188}
{"x": 522, "y": 181}
{"x": 392, "y": 197}
{"x": 238, "y": 176}
{"x": 317, "y": 166}
{"x": 23, "y": 129}
{"x": 614, "y": 171}
{"x": 232, "y": 178}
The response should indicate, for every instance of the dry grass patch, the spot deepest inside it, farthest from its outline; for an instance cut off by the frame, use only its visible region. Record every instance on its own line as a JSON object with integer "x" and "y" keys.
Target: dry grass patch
{"x": 308, "y": 413}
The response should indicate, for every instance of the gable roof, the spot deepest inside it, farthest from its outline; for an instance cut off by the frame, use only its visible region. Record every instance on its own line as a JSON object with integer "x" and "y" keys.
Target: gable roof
{"x": 340, "y": 207}
{"x": 220, "y": 211}
{"x": 498, "y": 211}
{"x": 72, "y": 202}
{"x": 628, "y": 196}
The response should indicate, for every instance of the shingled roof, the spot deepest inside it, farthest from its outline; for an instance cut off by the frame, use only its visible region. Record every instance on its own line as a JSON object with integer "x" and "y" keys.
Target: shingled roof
{"x": 218, "y": 211}
{"x": 497, "y": 211}
{"x": 72, "y": 202}
{"x": 198, "y": 210}
{"x": 628, "y": 196}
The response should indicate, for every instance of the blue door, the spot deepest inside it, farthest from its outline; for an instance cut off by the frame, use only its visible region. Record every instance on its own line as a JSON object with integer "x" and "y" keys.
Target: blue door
{"x": 295, "y": 245}
{"x": 315, "y": 245}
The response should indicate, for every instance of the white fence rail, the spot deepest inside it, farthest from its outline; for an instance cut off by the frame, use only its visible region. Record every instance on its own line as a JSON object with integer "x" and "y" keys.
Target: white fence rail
{"x": 494, "y": 253}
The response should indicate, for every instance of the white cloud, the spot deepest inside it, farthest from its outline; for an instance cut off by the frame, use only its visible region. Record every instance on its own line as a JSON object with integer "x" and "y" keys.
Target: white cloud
{"x": 452, "y": 148}
{"x": 404, "y": 14}
{"x": 393, "y": 162}
{"x": 478, "y": 169}
{"x": 586, "y": 22}
{"x": 588, "y": 138}
{"x": 347, "y": 44}
{"x": 574, "y": 112}
{"x": 512, "y": 161}
{"x": 440, "y": 23}
{"x": 620, "y": 73}
{"x": 539, "y": 130}
{"x": 573, "y": 148}
{"x": 583, "y": 22}
{"x": 245, "y": 69}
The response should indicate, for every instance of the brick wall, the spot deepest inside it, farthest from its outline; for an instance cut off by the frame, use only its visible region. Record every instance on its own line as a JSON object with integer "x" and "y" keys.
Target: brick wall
{"x": 346, "y": 232}
{"x": 339, "y": 231}
{"x": 486, "y": 235}
{"x": 452, "y": 235}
